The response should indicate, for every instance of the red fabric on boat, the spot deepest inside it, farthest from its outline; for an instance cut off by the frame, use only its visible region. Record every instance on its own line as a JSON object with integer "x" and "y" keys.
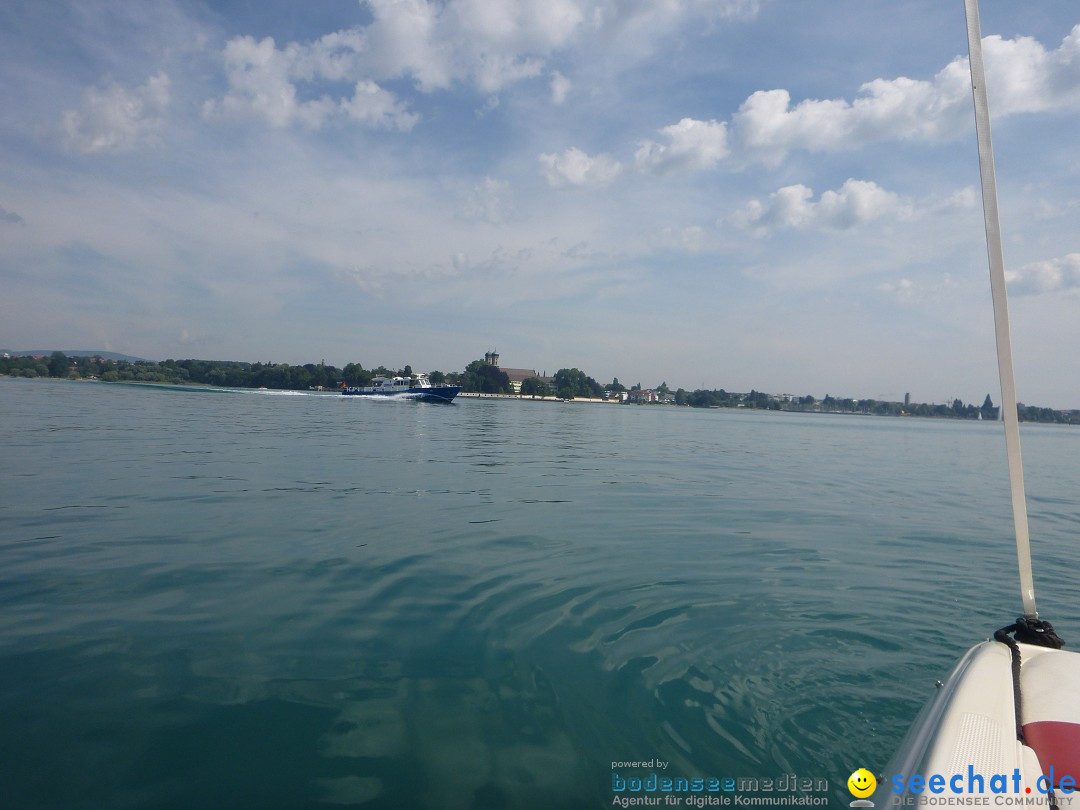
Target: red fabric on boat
{"x": 1057, "y": 745}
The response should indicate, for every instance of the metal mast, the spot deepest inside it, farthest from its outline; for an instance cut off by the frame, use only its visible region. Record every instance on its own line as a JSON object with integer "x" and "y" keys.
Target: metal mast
{"x": 1001, "y": 308}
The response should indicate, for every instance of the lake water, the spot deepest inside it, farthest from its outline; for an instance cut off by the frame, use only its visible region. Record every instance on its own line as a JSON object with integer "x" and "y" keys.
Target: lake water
{"x": 252, "y": 599}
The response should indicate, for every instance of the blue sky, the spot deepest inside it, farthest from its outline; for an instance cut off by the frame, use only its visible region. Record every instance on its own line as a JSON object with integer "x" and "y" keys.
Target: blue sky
{"x": 770, "y": 194}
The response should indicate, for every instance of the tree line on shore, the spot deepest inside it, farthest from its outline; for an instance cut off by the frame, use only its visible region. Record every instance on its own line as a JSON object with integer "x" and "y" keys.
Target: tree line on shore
{"x": 480, "y": 377}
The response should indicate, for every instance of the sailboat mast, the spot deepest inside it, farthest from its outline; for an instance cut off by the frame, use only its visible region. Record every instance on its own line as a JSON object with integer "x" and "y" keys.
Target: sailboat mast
{"x": 1001, "y": 307}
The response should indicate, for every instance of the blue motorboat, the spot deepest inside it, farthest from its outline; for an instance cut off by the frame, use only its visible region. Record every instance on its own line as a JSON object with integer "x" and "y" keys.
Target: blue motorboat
{"x": 417, "y": 386}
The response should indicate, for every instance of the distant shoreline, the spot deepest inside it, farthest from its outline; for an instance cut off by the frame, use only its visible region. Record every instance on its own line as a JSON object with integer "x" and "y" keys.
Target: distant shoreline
{"x": 473, "y": 395}
{"x": 572, "y": 385}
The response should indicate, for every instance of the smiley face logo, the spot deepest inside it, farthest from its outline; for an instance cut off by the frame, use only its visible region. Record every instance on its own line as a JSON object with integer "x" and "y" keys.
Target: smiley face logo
{"x": 861, "y": 783}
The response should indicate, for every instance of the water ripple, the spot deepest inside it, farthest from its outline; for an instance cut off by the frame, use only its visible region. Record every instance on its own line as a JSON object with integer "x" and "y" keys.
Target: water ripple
{"x": 298, "y": 600}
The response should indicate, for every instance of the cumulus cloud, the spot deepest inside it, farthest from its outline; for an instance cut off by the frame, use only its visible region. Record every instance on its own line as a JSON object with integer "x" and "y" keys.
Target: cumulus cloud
{"x": 490, "y": 44}
{"x": 792, "y": 207}
{"x": 260, "y": 86}
{"x": 494, "y": 43}
{"x": 1050, "y": 276}
{"x": 375, "y": 107}
{"x": 336, "y": 56}
{"x": 1023, "y": 77}
{"x": 113, "y": 119}
{"x": 263, "y": 85}
{"x": 575, "y": 169}
{"x": 767, "y": 126}
{"x": 691, "y": 145}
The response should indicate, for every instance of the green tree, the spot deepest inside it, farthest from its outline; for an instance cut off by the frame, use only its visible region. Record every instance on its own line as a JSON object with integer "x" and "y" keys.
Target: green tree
{"x": 534, "y": 386}
{"x": 484, "y": 378}
{"x": 58, "y": 365}
{"x": 572, "y": 382}
{"x": 354, "y": 374}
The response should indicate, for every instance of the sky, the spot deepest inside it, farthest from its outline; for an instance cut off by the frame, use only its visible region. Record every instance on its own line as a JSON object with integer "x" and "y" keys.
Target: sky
{"x": 780, "y": 195}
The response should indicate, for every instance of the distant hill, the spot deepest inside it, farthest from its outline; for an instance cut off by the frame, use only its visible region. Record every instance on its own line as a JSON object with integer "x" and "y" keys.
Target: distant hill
{"x": 76, "y": 353}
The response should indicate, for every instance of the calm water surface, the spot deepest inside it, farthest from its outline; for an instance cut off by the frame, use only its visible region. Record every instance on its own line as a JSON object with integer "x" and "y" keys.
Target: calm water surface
{"x": 261, "y": 600}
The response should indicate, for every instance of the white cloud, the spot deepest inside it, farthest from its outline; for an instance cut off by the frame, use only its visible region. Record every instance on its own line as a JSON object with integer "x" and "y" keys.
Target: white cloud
{"x": 114, "y": 119}
{"x": 692, "y": 145}
{"x": 262, "y": 85}
{"x": 767, "y": 127}
{"x": 1022, "y": 76}
{"x": 858, "y": 202}
{"x": 490, "y": 44}
{"x": 574, "y": 168}
{"x": 375, "y": 107}
{"x": 852, "y": 205}
{"x": 1052, "y": 275}
{"x": 487, "y": 42}
{"x": 560, "y": 88}
{"x": 335, "y": 56}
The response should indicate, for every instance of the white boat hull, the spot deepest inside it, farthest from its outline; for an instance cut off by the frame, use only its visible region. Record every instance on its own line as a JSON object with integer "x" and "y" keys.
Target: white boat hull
{"x": 965, "y": 741}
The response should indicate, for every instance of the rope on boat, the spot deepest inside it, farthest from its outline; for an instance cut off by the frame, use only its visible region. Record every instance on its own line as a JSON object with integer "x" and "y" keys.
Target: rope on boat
{"x": 1029, "y": 631}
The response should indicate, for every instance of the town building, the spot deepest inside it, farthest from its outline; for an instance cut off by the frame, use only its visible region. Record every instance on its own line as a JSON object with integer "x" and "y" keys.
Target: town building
{"x": 517, "y": 375}
{"x": 642, "y": 396}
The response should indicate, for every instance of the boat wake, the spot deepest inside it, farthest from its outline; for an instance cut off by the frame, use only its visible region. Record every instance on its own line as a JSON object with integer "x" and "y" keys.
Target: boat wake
{"x": 275, "y": 393}
{"x": 399, "y": 397}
